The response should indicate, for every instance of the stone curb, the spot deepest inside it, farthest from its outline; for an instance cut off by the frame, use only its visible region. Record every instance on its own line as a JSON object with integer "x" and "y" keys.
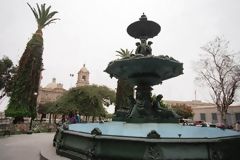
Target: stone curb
{"x": 49, "y": 153}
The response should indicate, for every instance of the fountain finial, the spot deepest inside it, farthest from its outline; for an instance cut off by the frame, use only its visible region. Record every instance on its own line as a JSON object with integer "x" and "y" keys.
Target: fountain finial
{"x": 143, "y": 17}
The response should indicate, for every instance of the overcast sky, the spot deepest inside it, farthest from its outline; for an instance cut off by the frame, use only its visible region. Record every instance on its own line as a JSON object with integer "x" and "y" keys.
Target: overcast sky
{"x": 90, "y": 32}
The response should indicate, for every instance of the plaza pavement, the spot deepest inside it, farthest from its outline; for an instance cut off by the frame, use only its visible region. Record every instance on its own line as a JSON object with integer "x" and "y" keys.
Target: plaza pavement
{"x": 25, "y": 147}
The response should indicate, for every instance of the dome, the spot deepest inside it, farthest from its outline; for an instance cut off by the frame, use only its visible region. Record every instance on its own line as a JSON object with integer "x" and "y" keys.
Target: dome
{"x": 83, "y": 70}
{"x": 54, "y": 85}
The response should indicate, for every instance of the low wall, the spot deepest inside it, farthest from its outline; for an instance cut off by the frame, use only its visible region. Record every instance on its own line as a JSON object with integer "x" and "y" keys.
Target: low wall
{"x": 77, "y": 145}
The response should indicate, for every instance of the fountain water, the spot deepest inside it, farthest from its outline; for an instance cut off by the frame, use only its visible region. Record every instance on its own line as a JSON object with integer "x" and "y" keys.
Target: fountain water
{"x": 148, "y": 131}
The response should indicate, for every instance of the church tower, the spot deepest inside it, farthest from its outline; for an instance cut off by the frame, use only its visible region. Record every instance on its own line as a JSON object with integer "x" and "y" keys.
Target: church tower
{"x": 83, "y": 77}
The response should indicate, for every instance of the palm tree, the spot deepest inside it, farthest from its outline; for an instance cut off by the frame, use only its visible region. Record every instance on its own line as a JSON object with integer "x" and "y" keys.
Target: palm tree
{"x": 124, "y": 53}
{"x": 23, "y": 99}
{"x": 124, "y": 89}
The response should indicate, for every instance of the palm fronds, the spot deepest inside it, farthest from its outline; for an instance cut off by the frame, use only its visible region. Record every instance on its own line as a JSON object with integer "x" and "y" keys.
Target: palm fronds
{"x": 124, "y": 53}
{"x": 43, "y": 15}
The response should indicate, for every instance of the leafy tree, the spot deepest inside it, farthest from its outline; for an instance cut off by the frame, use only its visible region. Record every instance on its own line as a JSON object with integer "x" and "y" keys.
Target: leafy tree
{"x": 86, "y": 100}
{"x": 109, "y": 116}
{"x": 7, "y": 71}
{"x": 219, "y": 69}
{"x": 23, "y": 99}
{"x": 124, "y": 89}
{"x": 47, "y": 108}
{"x": 183, "y": 110}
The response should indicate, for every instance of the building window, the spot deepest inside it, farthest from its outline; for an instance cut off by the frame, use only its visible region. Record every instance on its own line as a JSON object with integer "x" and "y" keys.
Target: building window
{"x": 237, "y": 115}
{"x": 203, "y": 116}
{"x": 84, "y": 78}
{"x": 214, "y": 118}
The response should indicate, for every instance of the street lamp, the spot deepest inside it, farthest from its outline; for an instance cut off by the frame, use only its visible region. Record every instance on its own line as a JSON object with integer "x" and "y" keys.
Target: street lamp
{"x": 71, "y": 75}
{"x": 31, "y": 120}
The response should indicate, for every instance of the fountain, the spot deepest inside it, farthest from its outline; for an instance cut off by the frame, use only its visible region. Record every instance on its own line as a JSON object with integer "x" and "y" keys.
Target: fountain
{"x": 146, "y": 130}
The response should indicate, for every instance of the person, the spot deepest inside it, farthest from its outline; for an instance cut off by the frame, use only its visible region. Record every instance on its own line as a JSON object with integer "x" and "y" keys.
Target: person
{"x": 237, "y": 126}
{"x": 78, "y": 120}
{"x": 72, "y": 118}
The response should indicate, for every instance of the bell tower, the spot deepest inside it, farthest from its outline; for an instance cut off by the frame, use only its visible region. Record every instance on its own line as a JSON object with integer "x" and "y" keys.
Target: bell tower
{"x": 83, "y": 77}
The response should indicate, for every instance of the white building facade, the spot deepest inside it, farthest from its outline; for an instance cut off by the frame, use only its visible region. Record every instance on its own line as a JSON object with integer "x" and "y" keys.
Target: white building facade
{"x": 208, "y": 111}
{"x": 211, "y": 114}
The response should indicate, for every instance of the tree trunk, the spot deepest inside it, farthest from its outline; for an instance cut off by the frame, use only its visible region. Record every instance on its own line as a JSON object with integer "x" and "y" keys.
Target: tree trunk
{"x": 124, "y": 93}
{"x": 42, "y": 116}
{"x": 87, "y": 118}
{"x": 224, "y": 118}
{"x": 30, "y": 125}
{"x": 93, "y": 119}
{"x": 63, "y": 118}
{"x": 55, "y": 118}
{"x": 50, "y": 117}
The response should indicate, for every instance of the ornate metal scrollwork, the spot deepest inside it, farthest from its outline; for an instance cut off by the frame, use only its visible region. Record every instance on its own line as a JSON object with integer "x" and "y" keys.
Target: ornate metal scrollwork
{"x": 153, "y": 135}
{"x": 216, "y": 154}
{"x": 153, "y": 152}
{"x": 96, "y": 131}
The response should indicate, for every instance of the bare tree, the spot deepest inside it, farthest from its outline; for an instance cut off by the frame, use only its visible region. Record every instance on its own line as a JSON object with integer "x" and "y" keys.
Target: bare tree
{"x": 219, "y": 69}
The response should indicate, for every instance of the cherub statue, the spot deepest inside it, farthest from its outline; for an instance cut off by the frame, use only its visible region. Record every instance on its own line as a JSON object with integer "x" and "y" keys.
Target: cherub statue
{"x": 162, "y": 111}
{"x": 148, "y": 48}
{"x": 143, "y": 48}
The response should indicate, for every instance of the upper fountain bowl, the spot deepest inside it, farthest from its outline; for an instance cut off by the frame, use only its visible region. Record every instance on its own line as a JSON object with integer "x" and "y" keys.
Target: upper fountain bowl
{"x": 143, "y": 29}
{"x": 150, "y": 70}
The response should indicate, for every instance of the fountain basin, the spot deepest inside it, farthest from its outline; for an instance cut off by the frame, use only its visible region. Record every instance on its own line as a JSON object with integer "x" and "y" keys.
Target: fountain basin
{"x": 149, "y": 70}
{"x": 121, "y": 140}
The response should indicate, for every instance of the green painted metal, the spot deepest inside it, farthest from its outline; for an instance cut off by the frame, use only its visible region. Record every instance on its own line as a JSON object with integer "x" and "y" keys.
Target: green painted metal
{"x": 77, "y": 145}
{"x": 97, "y": 142}
{"x": 144, "y": 70}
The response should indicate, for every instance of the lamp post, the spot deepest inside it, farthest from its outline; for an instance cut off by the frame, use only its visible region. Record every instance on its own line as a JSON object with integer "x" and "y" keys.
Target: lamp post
{"x": 35, "y": 94}
{"x": 71, "y": 76}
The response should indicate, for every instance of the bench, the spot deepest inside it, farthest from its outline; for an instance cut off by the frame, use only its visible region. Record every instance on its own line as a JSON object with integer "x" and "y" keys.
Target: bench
{"x": 5, "y": 126}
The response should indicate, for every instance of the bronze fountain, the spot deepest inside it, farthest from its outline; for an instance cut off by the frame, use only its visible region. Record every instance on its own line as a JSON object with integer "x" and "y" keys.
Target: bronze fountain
{"x": 146, "y": 131}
